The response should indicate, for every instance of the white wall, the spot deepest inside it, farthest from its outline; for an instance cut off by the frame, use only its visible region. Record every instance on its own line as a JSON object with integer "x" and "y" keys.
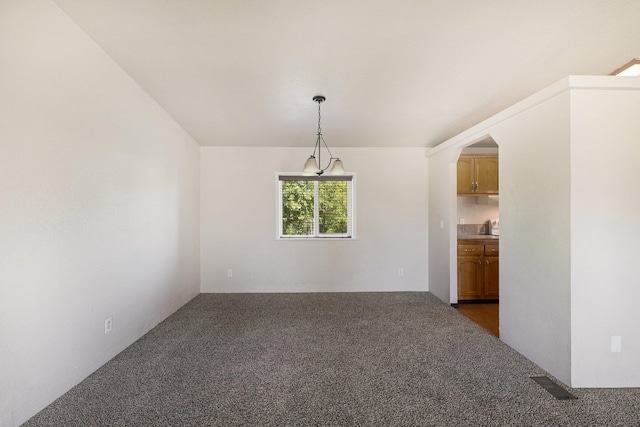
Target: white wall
{"x": 533, "y": 140}
{"x": 605, "y": 204}
{"x": 568, "y": 207}
{"x": 99, "y": 208}
{"x": 535, "y": 234}
{"x": 239, "y": 224}
{"x": 477, "y": 209}
{"x": 442, "y": 223}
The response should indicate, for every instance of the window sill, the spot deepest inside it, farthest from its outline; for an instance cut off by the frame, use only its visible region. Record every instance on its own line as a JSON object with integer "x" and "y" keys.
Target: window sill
{"x": 315, "y": 238}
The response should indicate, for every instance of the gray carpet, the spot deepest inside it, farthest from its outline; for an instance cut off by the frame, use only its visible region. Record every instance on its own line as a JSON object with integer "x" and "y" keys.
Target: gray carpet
{"x": 340, "y": 359}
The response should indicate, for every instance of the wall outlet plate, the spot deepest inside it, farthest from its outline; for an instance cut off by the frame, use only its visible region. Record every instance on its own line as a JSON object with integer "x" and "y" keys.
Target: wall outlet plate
{"x": 616, "y": 344}
{"x": 108, "y": 325}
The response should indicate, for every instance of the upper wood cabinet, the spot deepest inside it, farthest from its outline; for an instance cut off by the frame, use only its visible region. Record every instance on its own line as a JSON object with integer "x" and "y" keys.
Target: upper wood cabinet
{"x": 478, "y": 174}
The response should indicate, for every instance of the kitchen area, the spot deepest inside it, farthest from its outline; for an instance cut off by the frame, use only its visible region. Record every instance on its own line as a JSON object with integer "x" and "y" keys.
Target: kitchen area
{"x": 478, "y": 229}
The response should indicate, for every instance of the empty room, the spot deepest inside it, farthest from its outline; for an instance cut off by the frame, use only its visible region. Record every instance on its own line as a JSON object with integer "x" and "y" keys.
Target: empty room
{"x": 319, "y": 212}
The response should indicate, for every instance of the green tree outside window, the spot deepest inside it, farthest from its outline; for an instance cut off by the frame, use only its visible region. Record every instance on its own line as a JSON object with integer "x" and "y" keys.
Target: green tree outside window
{"x": 300, "y": 207}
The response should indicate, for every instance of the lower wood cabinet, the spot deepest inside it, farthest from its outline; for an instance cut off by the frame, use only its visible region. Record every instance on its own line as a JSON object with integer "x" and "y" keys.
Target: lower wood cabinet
{"x": 478, "y": 272}
{"x": 470, "y": 277}
{"x": 491, "y": 274}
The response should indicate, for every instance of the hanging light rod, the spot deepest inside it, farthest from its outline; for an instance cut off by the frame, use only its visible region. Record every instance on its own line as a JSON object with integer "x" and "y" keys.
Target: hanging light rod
{"x": 311, "y": 166}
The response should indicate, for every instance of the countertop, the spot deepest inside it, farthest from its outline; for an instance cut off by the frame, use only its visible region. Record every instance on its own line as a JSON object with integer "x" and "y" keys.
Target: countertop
{"x": 478, "y": 239}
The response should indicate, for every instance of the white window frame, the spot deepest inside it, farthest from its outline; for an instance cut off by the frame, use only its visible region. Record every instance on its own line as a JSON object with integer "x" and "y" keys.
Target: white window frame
{"x": 316, "y": 218}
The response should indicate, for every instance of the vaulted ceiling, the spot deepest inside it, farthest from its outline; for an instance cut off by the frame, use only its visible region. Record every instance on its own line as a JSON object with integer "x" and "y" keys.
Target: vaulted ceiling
{"x": 398, "y": 73}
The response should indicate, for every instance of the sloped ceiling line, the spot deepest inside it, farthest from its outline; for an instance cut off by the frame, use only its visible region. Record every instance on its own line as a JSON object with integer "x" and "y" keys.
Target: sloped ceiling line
{"x": 395, "y": 74}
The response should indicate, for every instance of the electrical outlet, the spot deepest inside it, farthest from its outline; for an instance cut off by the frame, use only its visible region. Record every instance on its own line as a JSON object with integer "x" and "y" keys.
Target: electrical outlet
{"x": 616, "y": 344}
{"x": 229, "y": 273}
{"x": 108, "y": 325}
{"x": 461, "y": 221}
{"x": 400, "y": 272}
{"x": 442, "y": 224}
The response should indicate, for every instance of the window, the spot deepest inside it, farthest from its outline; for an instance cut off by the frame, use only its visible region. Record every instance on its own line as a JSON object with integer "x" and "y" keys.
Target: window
{"x": 315, "y": 207}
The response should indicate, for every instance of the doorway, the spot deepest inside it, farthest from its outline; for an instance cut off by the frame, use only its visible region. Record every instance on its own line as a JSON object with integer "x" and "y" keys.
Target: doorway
{"x": 478, "y": 234}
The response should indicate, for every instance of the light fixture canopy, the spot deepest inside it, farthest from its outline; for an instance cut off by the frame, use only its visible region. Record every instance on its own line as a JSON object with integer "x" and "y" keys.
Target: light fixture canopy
{"x": 313, "y": 167}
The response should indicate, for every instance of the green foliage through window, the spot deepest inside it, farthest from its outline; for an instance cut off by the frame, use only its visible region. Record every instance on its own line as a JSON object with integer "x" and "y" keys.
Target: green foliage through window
{"x": 315, "y": 208}
{"x": 297, "y": 208}
{"x": 333, "y": 207}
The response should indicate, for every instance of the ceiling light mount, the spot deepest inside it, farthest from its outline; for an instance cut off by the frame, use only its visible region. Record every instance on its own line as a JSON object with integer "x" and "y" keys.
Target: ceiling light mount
{"x": 312, "y": 167}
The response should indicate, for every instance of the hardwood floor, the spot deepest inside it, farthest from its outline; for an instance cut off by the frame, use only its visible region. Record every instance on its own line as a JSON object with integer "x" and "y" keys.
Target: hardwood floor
{"x": 485, "y": 315}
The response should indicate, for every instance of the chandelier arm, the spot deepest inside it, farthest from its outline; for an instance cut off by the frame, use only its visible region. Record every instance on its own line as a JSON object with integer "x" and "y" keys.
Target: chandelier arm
{"x": 330, "y": 155}
{"x": 316, "y": 147}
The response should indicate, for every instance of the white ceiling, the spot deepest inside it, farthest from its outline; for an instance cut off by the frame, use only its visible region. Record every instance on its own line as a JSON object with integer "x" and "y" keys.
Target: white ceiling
{"x": 397, "y": 73}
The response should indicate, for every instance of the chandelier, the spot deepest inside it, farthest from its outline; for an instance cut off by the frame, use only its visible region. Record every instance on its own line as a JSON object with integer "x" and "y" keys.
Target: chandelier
{"x": 315, "y": 167}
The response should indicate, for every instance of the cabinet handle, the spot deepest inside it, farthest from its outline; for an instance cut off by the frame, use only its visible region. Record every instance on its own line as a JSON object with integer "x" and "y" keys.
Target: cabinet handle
{"x": 469, "y": 250}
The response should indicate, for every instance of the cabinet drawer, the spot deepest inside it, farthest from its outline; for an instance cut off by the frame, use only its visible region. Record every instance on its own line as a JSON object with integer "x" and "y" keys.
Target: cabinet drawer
{"x": 492, "y": 250}
{"x": 470, "y": 250}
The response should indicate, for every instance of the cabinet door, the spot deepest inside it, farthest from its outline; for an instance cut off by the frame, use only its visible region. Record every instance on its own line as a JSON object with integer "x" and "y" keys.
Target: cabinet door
{"x": 491, "y": 275}
{"x": 486, "y": 171}
{"x": 466, "y": 175}
{"x": 470, "y": 277}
